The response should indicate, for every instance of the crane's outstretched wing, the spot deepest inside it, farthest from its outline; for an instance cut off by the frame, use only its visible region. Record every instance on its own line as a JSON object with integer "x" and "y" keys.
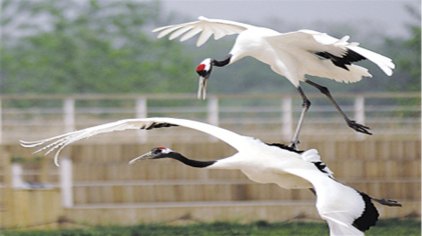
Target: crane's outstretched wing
{"x": 59, "y": 142}
{"x": 338, "y": 227}
{"x": 312, "y": 156}
{"x": 208, "y": 27}
{"x": 339, "y": 51}
{"x": 357, "y": 219}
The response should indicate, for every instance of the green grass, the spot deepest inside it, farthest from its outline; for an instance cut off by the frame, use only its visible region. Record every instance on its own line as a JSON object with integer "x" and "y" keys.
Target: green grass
{"x": 384, "y": 227}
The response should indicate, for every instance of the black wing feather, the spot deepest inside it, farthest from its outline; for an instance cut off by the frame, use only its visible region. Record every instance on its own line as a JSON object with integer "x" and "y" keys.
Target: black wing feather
{"x": 155, "y": 125}
{"x": 283, "y": 146}
{"x": 347, "y": 59}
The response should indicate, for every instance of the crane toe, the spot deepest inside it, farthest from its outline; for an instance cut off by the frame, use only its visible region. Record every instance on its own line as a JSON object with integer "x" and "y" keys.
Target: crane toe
{"x": 358, "y": 127}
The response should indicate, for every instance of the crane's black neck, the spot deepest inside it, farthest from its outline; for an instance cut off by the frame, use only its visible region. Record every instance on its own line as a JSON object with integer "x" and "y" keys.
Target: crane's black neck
{"x": 189, "y": 162}
{"x": 223, "y": 62}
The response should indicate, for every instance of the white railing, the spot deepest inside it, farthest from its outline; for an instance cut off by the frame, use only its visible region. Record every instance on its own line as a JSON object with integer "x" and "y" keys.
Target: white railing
{"x": 40, "y": 116}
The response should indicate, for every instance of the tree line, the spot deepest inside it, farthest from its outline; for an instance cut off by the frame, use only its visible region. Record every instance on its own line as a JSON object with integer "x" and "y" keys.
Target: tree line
{"x": 65, "y": 47}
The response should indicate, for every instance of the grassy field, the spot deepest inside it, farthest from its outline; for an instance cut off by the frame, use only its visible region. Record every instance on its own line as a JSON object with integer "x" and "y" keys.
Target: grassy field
{"x": 385, "y": 227}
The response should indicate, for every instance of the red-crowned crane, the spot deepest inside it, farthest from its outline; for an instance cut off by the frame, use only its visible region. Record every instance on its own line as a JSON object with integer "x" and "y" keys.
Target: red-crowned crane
{"x": 346, "y": 210}
{"x": 292, "y": 55}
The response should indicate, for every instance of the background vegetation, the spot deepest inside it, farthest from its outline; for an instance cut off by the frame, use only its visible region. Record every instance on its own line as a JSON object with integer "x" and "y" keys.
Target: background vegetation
{"x": 87, "y": 47}
{"x": 261, "y": 228}
{"x": 72, "y": 46}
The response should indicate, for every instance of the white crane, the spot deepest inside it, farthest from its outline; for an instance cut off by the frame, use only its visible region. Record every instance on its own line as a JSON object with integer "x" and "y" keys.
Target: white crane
{"x": 292, "y": 55}
{"x": 346, "y": 210}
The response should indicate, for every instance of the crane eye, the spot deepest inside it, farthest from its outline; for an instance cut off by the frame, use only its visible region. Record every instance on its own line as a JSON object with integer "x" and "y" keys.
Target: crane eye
{"x": 156, "y": 151}
{"x": 160, "y": 150}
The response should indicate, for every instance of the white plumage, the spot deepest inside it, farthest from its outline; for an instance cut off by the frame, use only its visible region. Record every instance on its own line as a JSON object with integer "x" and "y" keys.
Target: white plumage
{"x": 289, "y": 54}
{"x": 340, "y": 205}
{"x": 292, "y": 55}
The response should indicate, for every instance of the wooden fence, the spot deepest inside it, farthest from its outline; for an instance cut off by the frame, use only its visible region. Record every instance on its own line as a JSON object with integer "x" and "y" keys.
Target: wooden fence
{"x": 105, "y": 190}
{"x": 264, "y": 115}
{"x": 100, "y": 188}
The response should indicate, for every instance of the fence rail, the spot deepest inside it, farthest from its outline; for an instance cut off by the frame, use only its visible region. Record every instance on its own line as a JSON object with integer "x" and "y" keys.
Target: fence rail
{"x": 95, "y": 184}
{"x": 268, "y": 115}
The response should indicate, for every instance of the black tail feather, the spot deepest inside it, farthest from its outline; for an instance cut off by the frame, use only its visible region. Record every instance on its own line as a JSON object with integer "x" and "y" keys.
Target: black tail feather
{"x": 388, "y": 202}
{"x": 369, "y": 216}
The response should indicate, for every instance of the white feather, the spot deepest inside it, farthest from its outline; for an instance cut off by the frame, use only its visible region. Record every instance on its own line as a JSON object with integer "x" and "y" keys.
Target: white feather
{"x": 167, "y": 31}
{"x": 288, "y": 54}
{"x": 385, "y": 63}
{"x": 338, "y": 204}
{"x": 208, "y": 27}
{"x": 189, "y": 34}
{"x": 179, "y": 32}
{"x": 205, "y": 35}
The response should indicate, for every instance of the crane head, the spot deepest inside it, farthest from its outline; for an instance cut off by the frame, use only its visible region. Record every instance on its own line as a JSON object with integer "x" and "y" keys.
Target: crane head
{"x": 204, "y": 71}
{"x": 155, "y": 153}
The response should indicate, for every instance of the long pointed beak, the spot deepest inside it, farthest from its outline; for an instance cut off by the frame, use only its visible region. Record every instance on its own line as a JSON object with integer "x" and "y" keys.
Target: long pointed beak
{"x": 146, "y": 156}
{"x": 202, "y": 87}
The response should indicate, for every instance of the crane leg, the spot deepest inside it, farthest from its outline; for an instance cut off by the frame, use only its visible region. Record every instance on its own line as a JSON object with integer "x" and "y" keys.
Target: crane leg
{"x": 305, "y": 106}
{"x": 351, "y": 123}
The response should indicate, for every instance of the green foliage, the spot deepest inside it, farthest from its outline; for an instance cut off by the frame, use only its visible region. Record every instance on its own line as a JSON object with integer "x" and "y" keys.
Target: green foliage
{"x": 408, "y": 61}
{"x": 88, "y": 47}
{"x": 20, "y": 159}
{"x": 260, "y": 228}
{"x": 74, "y": 46}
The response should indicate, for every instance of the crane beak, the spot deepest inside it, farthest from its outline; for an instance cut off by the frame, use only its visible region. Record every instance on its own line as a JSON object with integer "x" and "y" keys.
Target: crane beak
{"x": 202, "y": 87}
{"x": 146, "y": 156}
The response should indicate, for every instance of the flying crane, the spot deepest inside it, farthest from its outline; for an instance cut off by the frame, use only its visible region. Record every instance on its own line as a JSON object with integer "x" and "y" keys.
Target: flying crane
{"x": 346, "y": 210}
{"x": 292, "y": 55}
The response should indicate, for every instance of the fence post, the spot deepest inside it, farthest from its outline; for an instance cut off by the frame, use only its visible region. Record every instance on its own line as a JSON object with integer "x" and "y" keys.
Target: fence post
{"x": 141, "y": 111}
{"x": 69, "y": 114}
{"x": 287, "y": 117}
{"x": 359, "y": 109}
{"x": 213, "y": 110}
{"x": 66, "y": 181}
{"x": 213, "y": 114}
{"x": 16, "y": 171}
{"x": 141, "y": 107}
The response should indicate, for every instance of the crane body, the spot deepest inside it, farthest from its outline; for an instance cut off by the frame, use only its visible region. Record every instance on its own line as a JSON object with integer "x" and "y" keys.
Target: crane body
{"x": 346, "y": 210}
{"x": 292, "y": 55}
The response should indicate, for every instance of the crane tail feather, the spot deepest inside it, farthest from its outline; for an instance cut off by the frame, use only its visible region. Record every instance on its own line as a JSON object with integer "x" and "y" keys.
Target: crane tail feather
{"x": 384, "y": 63}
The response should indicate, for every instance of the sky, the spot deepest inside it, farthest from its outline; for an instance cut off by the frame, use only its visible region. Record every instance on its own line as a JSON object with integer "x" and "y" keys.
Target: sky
{"x": 388, "y": 16}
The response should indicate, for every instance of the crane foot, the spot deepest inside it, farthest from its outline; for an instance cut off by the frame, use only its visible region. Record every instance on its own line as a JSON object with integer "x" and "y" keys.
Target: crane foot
{"x": 358, "y": 127}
